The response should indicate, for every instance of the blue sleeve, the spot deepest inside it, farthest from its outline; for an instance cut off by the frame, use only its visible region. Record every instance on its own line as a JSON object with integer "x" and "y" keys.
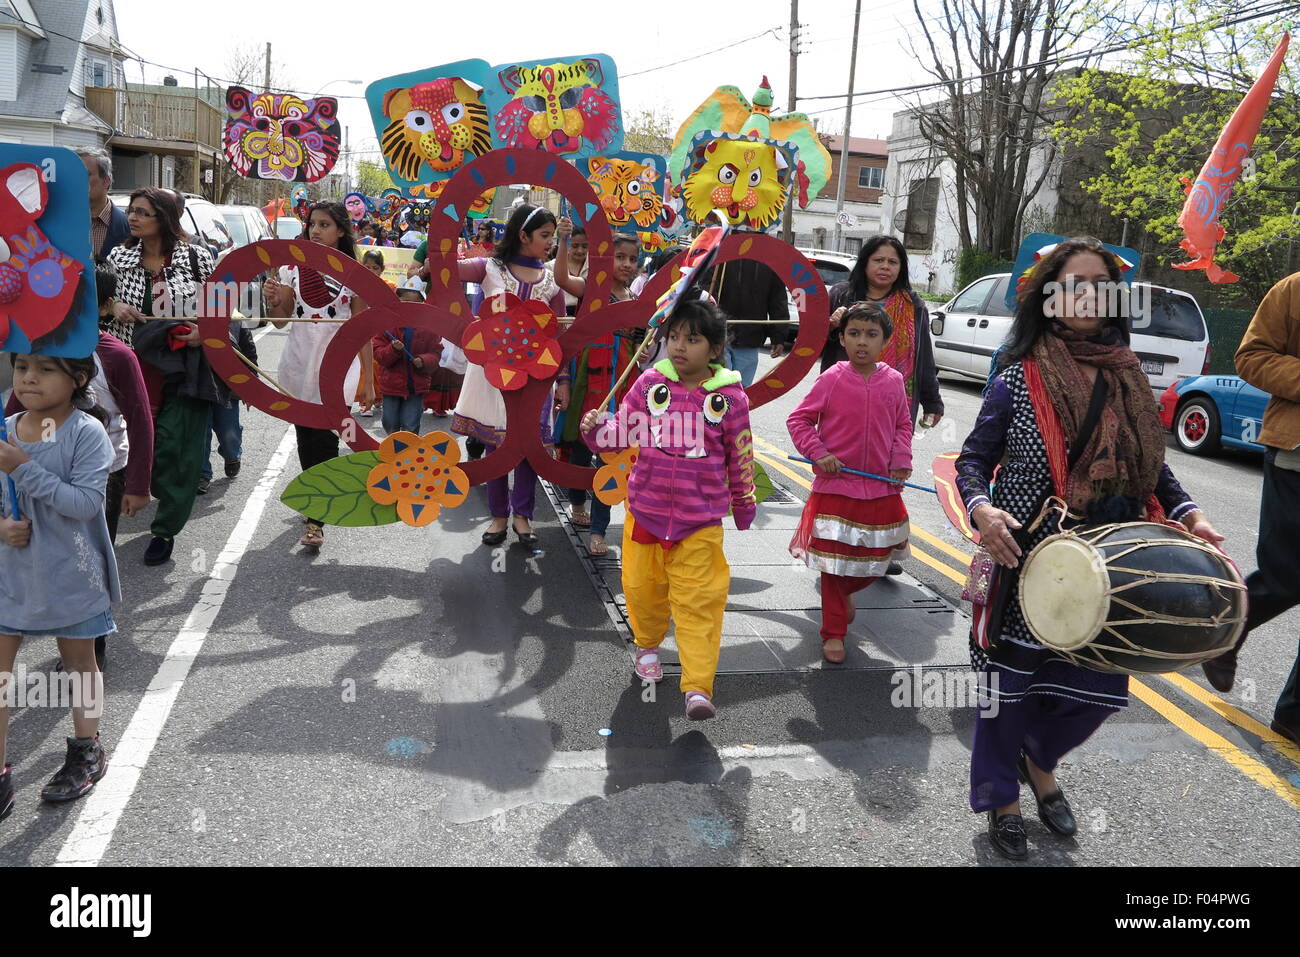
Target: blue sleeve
{"x": 1173, "y": 499}
{"x": 82, "y": 498}
{"x": 985, "y": 446}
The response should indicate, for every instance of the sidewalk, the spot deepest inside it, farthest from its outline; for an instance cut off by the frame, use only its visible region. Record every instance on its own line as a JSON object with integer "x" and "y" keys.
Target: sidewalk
{"x": 774, "y": 610}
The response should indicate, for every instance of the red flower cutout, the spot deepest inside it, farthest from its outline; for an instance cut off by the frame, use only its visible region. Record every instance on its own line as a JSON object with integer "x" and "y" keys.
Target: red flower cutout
{"x": 513, "y": 341}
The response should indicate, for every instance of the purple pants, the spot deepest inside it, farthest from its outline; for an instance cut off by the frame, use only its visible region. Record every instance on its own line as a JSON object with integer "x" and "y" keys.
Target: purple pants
{"x": 504, "y": 501}
{"x": 1045, "y": 727}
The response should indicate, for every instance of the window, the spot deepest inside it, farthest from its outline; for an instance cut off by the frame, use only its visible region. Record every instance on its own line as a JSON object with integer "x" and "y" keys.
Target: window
{"x": 971, "y": 299}
{"x": 871, "y": 177}
{"x": 922, "y": 207}
{"x": 100, "y": 73}
{"x": 997, "y": 304}
{"x": 1160, "y": 312}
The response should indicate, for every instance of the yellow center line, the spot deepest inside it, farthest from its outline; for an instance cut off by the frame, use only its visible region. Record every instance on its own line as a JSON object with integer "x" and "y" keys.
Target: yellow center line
{"x": 926, "y": 559}
{"x": 1238, "y": 759}
{"x": 1252, "y": 768}
{"x": 1236, "y": 716}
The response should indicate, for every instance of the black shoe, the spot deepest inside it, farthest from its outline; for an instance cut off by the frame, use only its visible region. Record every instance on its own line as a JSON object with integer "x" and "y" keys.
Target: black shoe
{"x": 1008, "y": 835}
{"x": 894, "y": 569}
{"x": 84, "y": 765}
{"x": 159, "y": 550}
{"x": 526, "y": 538}
{"x": 232, "y": 467}
{"x": 1287, "y": 731}
{"x": 474, "y": 449}
{"x": 6, "y": 791}
{"x": 1220, "y": 672}
{"x": 495, "y": 538}
{"x": 203, "y": 486}
{"x": 101, "y": 651}
{"x": 1053, "y": 810}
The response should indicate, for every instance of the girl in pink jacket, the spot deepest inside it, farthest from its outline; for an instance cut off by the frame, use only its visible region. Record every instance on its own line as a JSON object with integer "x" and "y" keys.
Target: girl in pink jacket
{"x": 856, "y": 415}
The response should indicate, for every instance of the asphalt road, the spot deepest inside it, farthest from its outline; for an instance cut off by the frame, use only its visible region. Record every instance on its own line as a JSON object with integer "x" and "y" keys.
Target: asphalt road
{"x": 411, "y": 697}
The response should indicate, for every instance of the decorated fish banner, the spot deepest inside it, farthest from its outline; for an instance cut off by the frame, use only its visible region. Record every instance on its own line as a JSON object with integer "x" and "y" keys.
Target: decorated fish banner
{"x": 726, "y": 110}
{"x": 746, "y": 180}
{"x": 47, "y": 278}
{"x": 431, "y": 123}
{"x": 281, "y": 136}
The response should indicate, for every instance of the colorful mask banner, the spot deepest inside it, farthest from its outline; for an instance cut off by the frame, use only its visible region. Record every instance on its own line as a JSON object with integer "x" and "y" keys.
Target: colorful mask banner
{"x": 47, "y": 277}
{"x": 631, "y": 189}
{"x": 745, "y": 180}
{"x": 431, "y": 123}
{"x": 281, "y": 136}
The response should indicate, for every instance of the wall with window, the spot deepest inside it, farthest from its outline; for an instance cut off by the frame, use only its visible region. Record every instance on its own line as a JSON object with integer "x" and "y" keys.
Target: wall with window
{"x": 865, "y": 182}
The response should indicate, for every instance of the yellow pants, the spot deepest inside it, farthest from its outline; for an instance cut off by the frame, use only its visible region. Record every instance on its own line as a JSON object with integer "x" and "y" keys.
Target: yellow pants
{"x": 688, "y": 582}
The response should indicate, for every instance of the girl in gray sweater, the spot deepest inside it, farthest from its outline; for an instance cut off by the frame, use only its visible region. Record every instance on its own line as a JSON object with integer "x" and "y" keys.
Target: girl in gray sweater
{"x": 58, "y": 575}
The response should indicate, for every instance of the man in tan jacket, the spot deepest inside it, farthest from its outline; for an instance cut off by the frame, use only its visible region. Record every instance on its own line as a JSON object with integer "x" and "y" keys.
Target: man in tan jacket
{"x": 1269, "y": 359}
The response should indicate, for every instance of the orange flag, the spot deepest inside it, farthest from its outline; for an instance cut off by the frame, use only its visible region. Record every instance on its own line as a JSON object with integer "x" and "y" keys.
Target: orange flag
{"x": 1209, "y": 194}
{"x": 274, "y": 210}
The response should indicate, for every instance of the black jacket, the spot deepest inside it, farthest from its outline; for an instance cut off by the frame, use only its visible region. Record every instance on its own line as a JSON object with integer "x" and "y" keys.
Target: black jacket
{"x": 186, "y": 372}
{"x": 750, "y": 290}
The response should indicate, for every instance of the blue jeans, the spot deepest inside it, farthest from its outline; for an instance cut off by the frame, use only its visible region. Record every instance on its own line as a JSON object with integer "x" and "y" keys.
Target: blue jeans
{"x": 402, "y": 414}
{"x": 224, "y": 422}
{"x": 744, "y": 361}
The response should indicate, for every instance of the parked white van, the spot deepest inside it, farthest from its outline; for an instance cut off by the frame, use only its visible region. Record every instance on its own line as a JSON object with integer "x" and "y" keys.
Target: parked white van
{"x": 1168, "y": 330}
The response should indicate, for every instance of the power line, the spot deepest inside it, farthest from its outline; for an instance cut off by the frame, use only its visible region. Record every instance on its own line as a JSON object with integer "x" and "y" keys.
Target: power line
{"x": 773, "y": 30}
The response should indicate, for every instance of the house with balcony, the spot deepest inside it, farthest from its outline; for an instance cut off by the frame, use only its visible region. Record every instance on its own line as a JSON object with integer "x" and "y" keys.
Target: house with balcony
{"x": 867, "y": 162}
{"x": 45, "y": 70}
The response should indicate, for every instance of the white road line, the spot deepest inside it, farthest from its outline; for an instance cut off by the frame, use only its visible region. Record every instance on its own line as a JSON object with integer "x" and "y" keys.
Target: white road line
{"x": 90, "y": 837}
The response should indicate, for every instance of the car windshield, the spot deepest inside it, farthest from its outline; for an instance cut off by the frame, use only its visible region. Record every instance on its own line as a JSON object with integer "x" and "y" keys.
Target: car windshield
{"x": 1170, "y": 315}
{"x": 287, "y": 228}
{"x": 238, "y": 228}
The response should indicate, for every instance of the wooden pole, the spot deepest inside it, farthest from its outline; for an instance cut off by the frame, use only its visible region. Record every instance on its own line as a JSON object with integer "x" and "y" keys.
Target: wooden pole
{"x": 848, "y": 129}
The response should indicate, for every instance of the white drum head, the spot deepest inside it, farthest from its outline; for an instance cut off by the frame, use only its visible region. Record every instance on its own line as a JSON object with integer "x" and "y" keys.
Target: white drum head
{"x": 1064, "y": 592}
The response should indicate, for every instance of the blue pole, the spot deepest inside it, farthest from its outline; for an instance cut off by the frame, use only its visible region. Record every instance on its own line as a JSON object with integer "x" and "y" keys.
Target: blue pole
{"x": 870, "y": 475}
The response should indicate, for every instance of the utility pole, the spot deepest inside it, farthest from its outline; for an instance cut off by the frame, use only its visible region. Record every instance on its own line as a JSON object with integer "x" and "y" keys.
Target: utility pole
{"x": 848, "y": 129}
{"x": 266, "y": 83}
{"x": 787, "y": 225}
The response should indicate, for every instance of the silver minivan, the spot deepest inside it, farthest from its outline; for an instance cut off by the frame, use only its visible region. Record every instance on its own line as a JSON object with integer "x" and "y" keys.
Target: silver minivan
{"x": 1169, "y": 332}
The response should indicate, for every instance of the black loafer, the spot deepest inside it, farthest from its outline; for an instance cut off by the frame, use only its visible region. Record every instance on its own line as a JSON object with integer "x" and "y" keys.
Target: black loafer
{"x": 1008, "y": 835}
{"x": 894, "y": 569}
{"x": 159, "y": 550}
{"x": 232, "y": 467}
{"x": 1053, "y": 810}
{"x": 1221, "y": 672}
{"x": 529, "y": 539}
{"x": 494, "y": 538}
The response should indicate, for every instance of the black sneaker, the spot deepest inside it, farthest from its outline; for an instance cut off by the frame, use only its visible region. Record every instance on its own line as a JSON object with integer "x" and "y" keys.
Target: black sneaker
{"x": 84, "y": 765}
{"x": 232, "y": 467}
{"x": 159, "y": 550}
{"x": 203, "y": 486}
{"x": 6, "y": 791}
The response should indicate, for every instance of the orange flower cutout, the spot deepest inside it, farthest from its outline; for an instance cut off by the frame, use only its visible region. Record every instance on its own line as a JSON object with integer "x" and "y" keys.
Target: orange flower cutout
{"x": 513, "y": 341}
{"x": 418, "y": 475}
{"x": 611, "y": 479}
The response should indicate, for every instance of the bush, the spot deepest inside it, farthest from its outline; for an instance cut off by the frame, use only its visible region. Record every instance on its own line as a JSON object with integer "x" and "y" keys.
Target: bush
{"x": 973, "y": 263}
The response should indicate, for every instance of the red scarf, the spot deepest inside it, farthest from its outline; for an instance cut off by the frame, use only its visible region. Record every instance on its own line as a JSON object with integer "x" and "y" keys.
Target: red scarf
{"x": 900, "y": 350}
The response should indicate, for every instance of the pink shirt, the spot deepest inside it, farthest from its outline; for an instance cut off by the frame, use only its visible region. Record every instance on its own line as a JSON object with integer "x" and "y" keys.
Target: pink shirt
{"x": 865, "y": 423}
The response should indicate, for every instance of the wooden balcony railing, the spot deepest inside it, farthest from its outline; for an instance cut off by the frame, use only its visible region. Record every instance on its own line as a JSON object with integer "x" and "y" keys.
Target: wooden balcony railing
{"x": 168, "y": 117}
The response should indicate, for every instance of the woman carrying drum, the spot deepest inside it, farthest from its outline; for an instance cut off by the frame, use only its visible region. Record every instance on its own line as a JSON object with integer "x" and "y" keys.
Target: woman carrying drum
{"x": 1070, "y": 415}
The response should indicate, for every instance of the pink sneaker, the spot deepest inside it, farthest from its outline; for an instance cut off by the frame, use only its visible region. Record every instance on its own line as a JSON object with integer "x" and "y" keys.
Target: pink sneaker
{"x": 648, "y": 667}
{"x": 699, "y": 707}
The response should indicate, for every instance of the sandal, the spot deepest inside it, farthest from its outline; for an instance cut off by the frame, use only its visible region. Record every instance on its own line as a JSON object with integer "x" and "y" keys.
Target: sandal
{"x": 314, "y": 537}
{"x": 597, "y": 546}
{"x": 648, "y": 667}
{"x": 833, "y": 650}
{"x": 699, "y": 707}
{"x": 579, "y": 515}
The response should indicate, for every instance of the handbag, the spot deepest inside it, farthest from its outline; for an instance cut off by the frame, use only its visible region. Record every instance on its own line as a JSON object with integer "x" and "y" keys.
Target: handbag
{"x": 1002, "y": 579}
{"x": 980, "y": 578}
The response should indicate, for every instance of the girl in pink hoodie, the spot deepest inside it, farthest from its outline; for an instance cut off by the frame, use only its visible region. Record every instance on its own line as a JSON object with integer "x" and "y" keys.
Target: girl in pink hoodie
{"x": 857, "y": 416}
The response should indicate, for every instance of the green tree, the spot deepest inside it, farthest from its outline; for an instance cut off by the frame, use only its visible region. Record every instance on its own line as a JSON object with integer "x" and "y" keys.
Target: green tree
{"x": 1155, "y": 119}
{"x": 372, "y": 178}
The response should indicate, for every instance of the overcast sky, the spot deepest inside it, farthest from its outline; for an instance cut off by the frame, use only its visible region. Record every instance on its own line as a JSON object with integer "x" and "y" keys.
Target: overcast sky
{"x": 315, "y": 43}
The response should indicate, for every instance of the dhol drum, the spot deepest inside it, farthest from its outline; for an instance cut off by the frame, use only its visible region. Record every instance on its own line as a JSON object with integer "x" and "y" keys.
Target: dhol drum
{"x": 1132, "y": 598}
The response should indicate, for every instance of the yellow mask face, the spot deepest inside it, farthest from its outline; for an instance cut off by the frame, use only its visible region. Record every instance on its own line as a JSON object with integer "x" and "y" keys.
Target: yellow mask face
{"x": 744, "y": 179}
{"x": 628, "y": 191}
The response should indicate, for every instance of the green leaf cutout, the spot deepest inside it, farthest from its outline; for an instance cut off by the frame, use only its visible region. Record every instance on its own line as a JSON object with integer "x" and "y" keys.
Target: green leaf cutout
{"x": 762, "y": 485}
{"x": 334, "y": 492}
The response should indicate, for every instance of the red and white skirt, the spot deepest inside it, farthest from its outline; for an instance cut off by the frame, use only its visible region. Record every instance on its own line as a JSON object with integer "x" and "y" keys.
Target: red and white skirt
{"x": 851, "y": 537}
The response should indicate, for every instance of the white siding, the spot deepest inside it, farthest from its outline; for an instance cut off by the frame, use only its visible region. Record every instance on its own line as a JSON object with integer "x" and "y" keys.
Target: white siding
{"x": 35, "y": 133}
{"x": 71, "y": 137}
{"x": 8, "y": 64}
{"x": 24, "y": 55}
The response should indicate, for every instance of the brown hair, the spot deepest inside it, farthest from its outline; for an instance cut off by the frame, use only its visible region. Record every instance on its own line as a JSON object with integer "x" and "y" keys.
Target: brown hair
{"x": 169, "y": 217}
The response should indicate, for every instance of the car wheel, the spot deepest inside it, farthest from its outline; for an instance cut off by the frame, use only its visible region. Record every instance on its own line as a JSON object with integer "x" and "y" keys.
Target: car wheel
{"x": 1196, "y": 426}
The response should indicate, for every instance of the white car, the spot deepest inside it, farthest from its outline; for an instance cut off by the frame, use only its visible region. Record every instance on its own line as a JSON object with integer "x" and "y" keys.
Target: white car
{"x": 1168, "y": 331}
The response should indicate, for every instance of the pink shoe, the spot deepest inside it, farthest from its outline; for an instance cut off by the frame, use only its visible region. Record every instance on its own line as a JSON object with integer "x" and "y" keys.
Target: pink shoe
{"x": 699, "y": 707}
{"x": 648, "y": 666}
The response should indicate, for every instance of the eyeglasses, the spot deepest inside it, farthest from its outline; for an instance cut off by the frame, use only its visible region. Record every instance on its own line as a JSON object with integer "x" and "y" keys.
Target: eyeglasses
{"x": 143, "y": 213}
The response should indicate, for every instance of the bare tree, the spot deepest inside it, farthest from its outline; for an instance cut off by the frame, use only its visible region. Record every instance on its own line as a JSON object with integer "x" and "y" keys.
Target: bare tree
{"x": 996, "y": 63}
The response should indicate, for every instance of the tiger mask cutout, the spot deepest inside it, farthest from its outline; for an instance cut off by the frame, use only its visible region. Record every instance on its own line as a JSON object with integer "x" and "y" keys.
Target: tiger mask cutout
{"x": 626, "y": 191}
{"x": 441, "y": 124}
